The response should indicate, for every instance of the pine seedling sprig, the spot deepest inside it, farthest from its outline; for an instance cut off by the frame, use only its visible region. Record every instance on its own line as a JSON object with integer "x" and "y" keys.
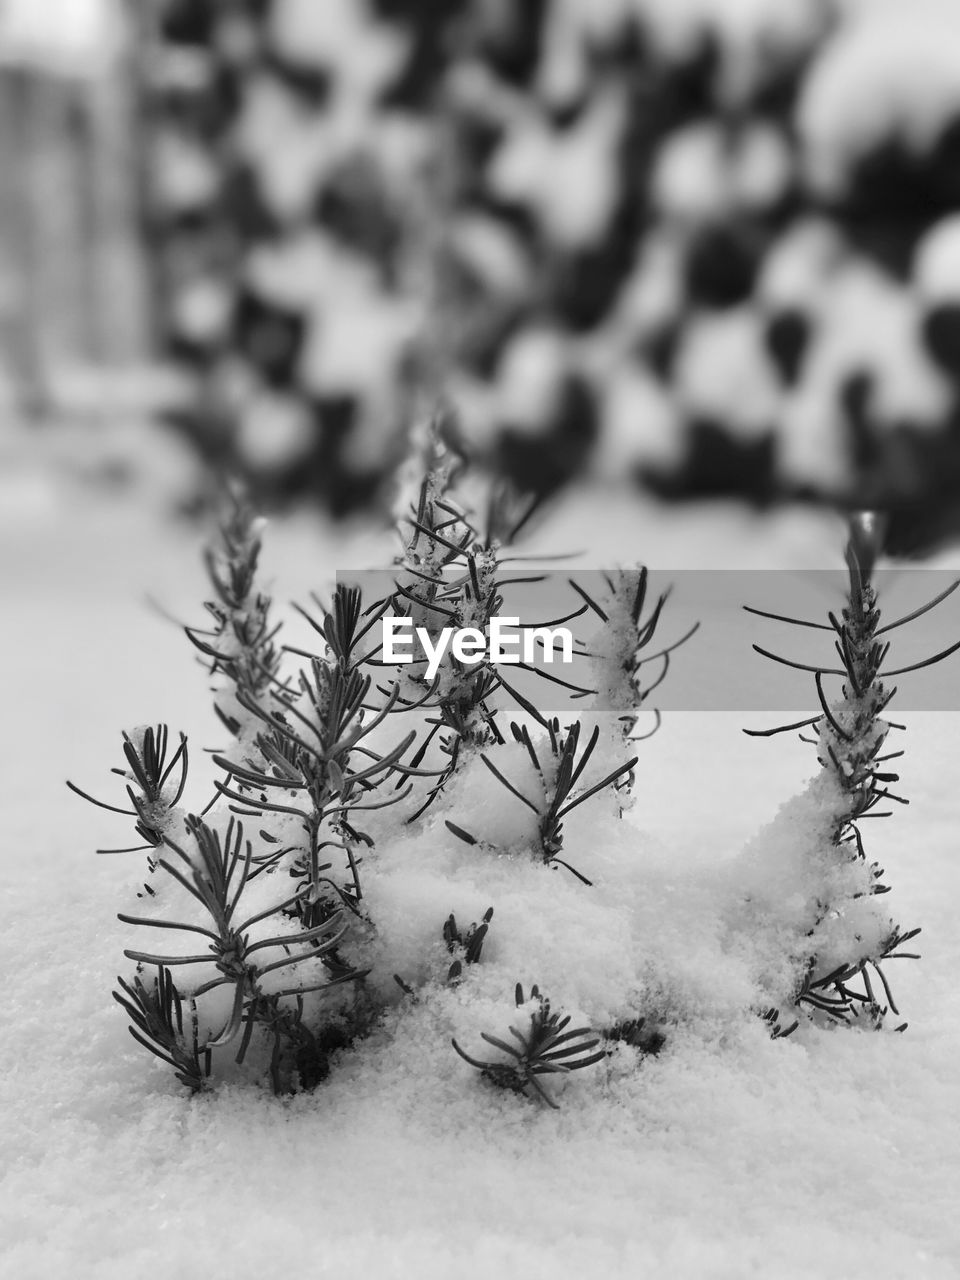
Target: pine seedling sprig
{"x": 636, "y": 1033}
{"x": 850, "y": 737}
{"x": 241, "y": 646}
{"x": 470, "y": 943}
{"x": 777, "y": 1029}
{"x": 307, "y": 761}
{"x": 626, "y": 642}
{"x": 452, "y": 576}
{"x": 343, "y": 626}
{"x": 154, "y": 785}
{"x": 216, "y": 874}
{"x": 445, "y": 577}
{"x": 559, "y": 782}
{"x": 157, "y": 1023}
{"x": 313, "y": 761}
{"x": 545, "y": 1048}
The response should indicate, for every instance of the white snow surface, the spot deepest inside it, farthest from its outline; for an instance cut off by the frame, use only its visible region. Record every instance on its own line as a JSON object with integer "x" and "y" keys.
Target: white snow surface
{"x": 729, "y": 1155}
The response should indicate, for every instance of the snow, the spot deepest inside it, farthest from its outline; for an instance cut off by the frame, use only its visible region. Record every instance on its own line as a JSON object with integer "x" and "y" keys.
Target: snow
{"x": 338, "y": 36}
{"x": 722, "y": 372}
{"x": 292, "y": 172}
{"x": 201, "y": 310}
{"x": 690, "y": 176}
{"x": 186, "y": 177}
{"x": 726, "y": 1155}
{"x": 493, "y": 253}
{"x": 796, "y": 273}
{"x": 752, "y": 35}
{"x": 75, "y": 38}
{"x": 356, "y": 333}
{"x": 702, "y": 173}
{"x": 353, "y": 346}
{"x": 273, "y": 431}
{"x": 530, "y": 377}
{"x": 937, "y": 266}
{"x": 867, "y": 325}
{"x": 892, "y": 72}
{"x": 639, "y": 424}
{"x": 535, "y": 163}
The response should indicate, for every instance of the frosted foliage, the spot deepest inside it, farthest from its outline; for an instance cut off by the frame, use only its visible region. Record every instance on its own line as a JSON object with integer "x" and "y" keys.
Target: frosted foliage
{"x": 762, "y": 167}
{"x": 289, "y": 173}
{"x": 613, "y": 644}
{"x": 479, "y": 802}
{"x": 874, "y": 324}
{"x": 569, "y": 179}
{"x": 691, "y": 174}
{"x": 868, "y": 327}
{"x": 202, "y": 310}
{"x": 314, "y": 147}
{"x": 721, "y": 1156}
{"x": 376, "y": 427}
{"x": 339, "y": 35}
{"x": 274, "y": 431}
{"x": 722, "y": 371}
{"x": 811, "y": 446}
{"x": 748, "y": 32}
{"x": 639, "y": 425}
{"x": 355, "y": 335}
{"x": 563, "y": 71}
{"x": 798, "y": 271}
{"x": 531, "y": 372}
{"x": 891, "y": 73}
{"x": 352, "y": 347}
{"x": 702, "y": 174}
{"x": 787, "y": 872}
{"x": 652, "y": 295}
{"x": 585, "y": 23}
{"x": 646, "y": 933}
{"x": 490, "y": 251}
{"x": 476, "y": 415}
{"x": 937, "y": 268}
{"x": 184, "y": 175}
{"x": 309, "y": 269}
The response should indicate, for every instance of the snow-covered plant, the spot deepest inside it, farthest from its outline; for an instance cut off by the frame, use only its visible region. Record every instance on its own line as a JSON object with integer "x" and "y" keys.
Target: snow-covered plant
{"x": 257, "y": 944}
{"x": 451, "y": 576}
{"x": 469, "y": 944}
{"x": 156, "y": 1015}
{"x": 545, "y": 1048}
{"x": 841, "y": 935}
{"x": 619, "y": 650}
{"x": 444, "y": 579}
{"x": 152, "y": 795}
{"x": 311, "y": 744}
{"x": 216, "y": 871}
{"x": 240, "y": 647}
{"x": 559, "y": 774}
{"x": 301, "y": 767}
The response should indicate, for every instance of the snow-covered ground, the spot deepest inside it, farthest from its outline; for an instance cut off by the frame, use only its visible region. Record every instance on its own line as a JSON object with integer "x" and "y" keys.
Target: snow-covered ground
{"x": 829, "y": 1154}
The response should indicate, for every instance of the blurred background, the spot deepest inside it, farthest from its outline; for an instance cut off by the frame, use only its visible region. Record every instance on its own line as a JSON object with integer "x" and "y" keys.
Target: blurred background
{"x": 703, "y": 249}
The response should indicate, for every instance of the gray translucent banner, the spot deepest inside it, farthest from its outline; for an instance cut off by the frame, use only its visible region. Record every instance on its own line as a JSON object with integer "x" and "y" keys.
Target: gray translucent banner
{"x": 718, "y": 668}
